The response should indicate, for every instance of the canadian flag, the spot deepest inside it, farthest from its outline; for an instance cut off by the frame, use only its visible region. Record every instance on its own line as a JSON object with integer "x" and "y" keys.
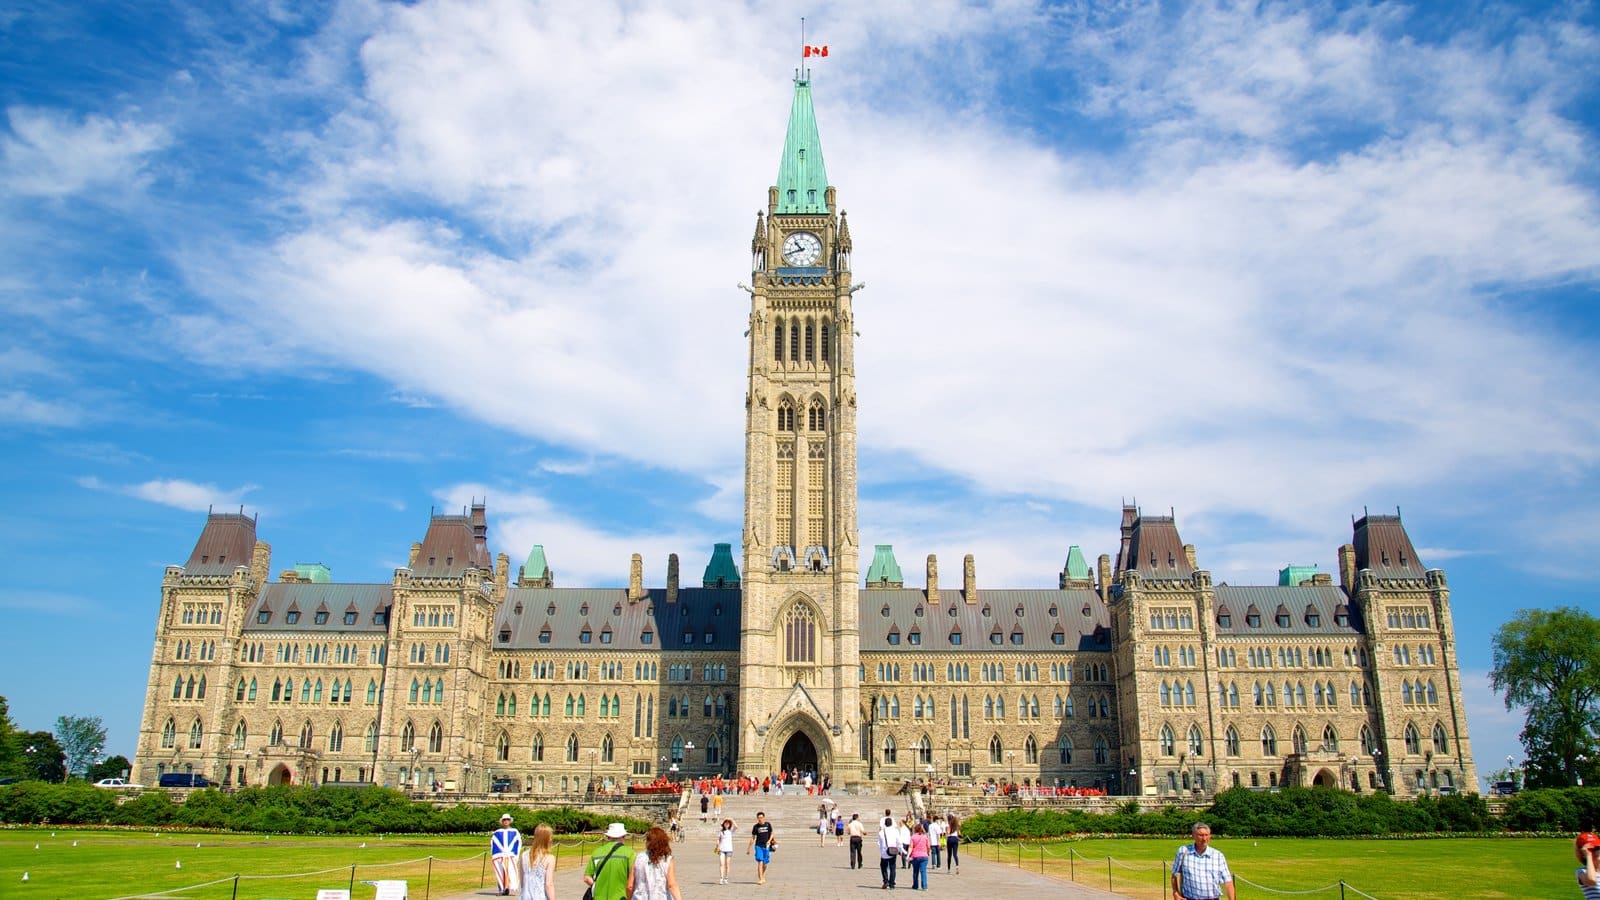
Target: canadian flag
{"x": 816, "y": 51}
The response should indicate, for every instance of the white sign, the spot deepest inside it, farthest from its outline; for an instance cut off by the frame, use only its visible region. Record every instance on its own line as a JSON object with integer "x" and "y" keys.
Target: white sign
{"x": 390, "y": 890}
{"x": 329, "y": 894}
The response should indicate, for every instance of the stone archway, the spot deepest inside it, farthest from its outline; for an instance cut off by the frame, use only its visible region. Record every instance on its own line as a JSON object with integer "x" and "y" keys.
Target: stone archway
{"x": 1325, "y": 778}
{"x": 800, "y": 744}
{"x": 280, "y": 774}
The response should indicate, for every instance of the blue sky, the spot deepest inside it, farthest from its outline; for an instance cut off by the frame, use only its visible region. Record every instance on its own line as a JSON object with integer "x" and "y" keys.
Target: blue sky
{"x": 341, "y": 264}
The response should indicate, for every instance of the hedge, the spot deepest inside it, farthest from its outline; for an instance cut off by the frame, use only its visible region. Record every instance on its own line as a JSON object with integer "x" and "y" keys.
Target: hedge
{"x": 284, "y": 809}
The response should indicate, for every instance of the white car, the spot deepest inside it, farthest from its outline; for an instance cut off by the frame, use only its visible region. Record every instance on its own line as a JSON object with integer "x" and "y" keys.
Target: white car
{"x": 116, "y": 783}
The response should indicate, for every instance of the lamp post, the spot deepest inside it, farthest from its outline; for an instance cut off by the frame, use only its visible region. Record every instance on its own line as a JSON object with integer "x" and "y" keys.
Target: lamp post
{"x": 1377, "y": 764}
{"x": 592, "y": 754}
{"x": 687, "y": 748}
{"x": 872, "y": 748}
{"x": 1011, "y": 755}
{"x": 466, "y": 776}
{"x": 1133, "y": 779}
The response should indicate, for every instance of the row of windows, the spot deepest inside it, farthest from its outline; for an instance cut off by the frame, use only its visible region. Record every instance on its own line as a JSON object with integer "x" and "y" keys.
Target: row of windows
{"x": 201, "y": 614}
{"x": 1162, "y": 656}
{"x": 889, "y": 673}
{"x": 186, "y": 650}
{"x": 816, "y": 418}
{"x": 1171, "y": 618}
{"x": 1425, "y": 655}
{"x": 1282, "y": 619}
{"x": 426, "y": 616}
{"x": 338, "y": 654}
{"x": 1323, "y": 695}
{"x": 419, "y": 654}
{"x": 607, "y": 636}
{"x": 605, "y": 752}
{"x": 1269, "y": 740}
{"x": 802, "y": 343}
{"x": 922, "y": 750}
{"x": 1409, "y": 617}
{"x": 291, "y": 616}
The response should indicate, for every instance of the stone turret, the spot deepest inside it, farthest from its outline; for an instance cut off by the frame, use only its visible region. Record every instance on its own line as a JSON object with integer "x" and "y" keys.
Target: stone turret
{"x": 933, "y": 578}
{"x": 969, "y": 579}
{"x": 636, "y": 578}
{"x": 672, "y": 578}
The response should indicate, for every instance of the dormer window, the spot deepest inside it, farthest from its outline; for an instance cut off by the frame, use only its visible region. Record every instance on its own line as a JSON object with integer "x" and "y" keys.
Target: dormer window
{"x": 518, "y": 608}
{"x": 1282, "y": 619}
{"x": 263, "y": 617}
{"x": 544, "y": 635}
{"x": 605, "y": 635}
{"x": 1016, "y": 637}
{"x": 292, "y": 616}
{"x": 505, "y": 635}
{"x": 585, "y": 636}
{"x": 688, "y": 638}
{"x": 321, "y": 617}
{"x": 955, "y": 638}
{"x": 350, "y": 617}
{"x": 616, "y": 610}
{"x": 583, "y": 610}
{"x": 914, "y": 637}
{"x": 1224, "y": 620}
{"x": 647, "y": 636}
{"x": 711, "y": 637}
{"x": 1058, "y": 637}
{"x": 1385, "y": 556}
{"x": 894, "y": 636}
{"x": 550, "y": 610}
{"x": 1253, "y": 620}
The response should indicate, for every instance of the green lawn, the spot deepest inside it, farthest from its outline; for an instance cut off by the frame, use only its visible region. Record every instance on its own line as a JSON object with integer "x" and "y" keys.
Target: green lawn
{"x": 1389, "y": 869}
{"x": 98, "y": 865}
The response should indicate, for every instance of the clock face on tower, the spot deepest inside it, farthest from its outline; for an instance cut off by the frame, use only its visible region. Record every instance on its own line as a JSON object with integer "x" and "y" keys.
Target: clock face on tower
{"x": 802, "y": 249}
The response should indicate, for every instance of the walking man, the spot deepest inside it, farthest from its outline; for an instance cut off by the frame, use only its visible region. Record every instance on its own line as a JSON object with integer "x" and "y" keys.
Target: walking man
{"x": 608, "y": 867}
{"x": 857, "y": 832}
{"x": 1200, "y": 871}
{"x": 762, "y": 842}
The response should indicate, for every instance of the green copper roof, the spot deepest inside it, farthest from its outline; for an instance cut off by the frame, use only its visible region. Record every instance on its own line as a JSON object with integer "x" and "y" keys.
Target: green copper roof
{"x": 317, "y": 573}
{"x": 802, "y": 179}
{"x": 720, "y": 571}
{"x": 1292, "y": 576}
{"x": 884, "y": 568}
{"x": 1077, "y": 566}
{"x": 536, "y": 565}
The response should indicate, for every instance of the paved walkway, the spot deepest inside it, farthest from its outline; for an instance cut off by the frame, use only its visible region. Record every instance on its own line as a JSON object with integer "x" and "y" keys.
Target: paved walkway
{"x": 801, "y": 870}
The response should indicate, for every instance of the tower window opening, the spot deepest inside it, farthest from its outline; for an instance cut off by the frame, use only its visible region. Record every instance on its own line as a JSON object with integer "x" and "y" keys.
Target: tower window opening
{"x": 826, "y": 356}
{"x": 811, "y": 343}
{"x": 777, "y": 342}
{"x": 793, "y": 195}
{"x": 794, "y": 344}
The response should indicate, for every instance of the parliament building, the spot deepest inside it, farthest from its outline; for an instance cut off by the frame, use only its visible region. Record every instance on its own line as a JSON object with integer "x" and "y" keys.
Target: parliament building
{"x": 1135, "y": 674}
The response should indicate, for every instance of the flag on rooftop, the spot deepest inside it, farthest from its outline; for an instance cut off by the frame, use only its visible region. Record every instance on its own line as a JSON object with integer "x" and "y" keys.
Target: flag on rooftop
{"x": 816, "y": 51}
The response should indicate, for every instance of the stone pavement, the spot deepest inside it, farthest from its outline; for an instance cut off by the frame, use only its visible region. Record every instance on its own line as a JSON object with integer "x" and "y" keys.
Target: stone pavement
{"x": 802, "y": 870}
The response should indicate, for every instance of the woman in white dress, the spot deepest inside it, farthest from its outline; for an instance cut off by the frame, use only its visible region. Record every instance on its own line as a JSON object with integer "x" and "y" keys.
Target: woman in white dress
{"x": 653, "y": 876}
{"x": 539, "y": 867}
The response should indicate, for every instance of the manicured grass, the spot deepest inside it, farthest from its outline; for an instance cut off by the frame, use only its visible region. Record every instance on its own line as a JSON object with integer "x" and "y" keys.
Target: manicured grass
{"x": 98, "y": 865}
{"x": 1392, "y": 869}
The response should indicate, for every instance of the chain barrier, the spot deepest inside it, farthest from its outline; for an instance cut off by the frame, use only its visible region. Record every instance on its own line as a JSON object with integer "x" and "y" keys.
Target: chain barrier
{"x": 1262, "y": 887}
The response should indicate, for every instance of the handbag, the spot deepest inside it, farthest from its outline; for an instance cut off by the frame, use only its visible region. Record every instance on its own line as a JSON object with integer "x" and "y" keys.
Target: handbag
{"x": 588, "y": 893}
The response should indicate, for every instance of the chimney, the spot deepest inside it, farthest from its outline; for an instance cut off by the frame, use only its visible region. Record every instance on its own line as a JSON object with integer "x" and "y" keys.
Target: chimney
{"x": 261, "y": 562}
{"x": 502, "y": 569}
{"x": 1347, "y": 567}
{"x": 933, "y": 578}
{"x": 288, "y": 576}
{"x": 636, "y": 578}
{"x": 672, "y": 578}
{"x": 416, "y": 551}
{"x": 1105, "y": 576}
{"x": 1188, "y": 554}
{"x": 969, "y": 579}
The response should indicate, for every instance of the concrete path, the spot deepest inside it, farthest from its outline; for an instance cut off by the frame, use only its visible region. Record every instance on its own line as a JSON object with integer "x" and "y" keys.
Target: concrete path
{"x": 802, "y": 870}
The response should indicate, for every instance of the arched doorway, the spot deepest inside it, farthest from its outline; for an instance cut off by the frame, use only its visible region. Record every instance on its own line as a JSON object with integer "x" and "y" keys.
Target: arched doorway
{"x": 799, "y": 754}
{"x": 280, "y": 775}
{"x": 1325, "y": 778}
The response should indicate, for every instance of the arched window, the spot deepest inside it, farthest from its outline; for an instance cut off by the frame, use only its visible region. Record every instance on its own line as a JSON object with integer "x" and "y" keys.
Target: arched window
{"x": 572, "y": 748}
{"x": 371, "y": 741}
{"x": 811, "y": 342}
{"x": 824, "y": 343}
{"x": 275, "y": 736}
{"x": 1413, "y": 739}
{"x": 195, "y": 734}
{"x": 890, "y": 752}
{"x": 435, "y": 739}
{"x": 607, "y": 749}
{"x": 1168, "y": 743}
{"x": 1064, "y": 750}
{"x": 1367, "y": 743}
{"x": 169, "y": 734}
{"x": 1166, "y": 694}
{"x": 415, "y": 687}
{"x": 1433, "y": 692}
{"x": 372, "y": 691}
{"x": 1298, "y": 739}
{"x": 1405, "y": 692}
{"x": 1330, "y": 739}
{"x": 1196, "y": 742}
{"x": 1441, "y": 743}
{"x": 241, "y": 734}
{"x": 502, "y": 747}
{"x": 536, "y": 749}
{"x": 817, "y": 417}
{"x": 777, "y": 341}
{"x": 799, "y": 635}
{"x": 785, "y": 415}
{"x": 336, "y": 738}
{"x": 1030, "y": 751}
{"x": 997, "y": 752}
{"x": 1230, "y": 741}
{"x": 1269, "y": 741}
{"x": 305, "y": 735}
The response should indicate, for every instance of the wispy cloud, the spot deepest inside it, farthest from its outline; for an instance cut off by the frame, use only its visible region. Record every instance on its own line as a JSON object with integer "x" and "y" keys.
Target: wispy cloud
{"x": 177, "y": 493}
{"x": 54, "y": 152}
{"x": 45, "y": 603}
{"x": 20, "y": 408}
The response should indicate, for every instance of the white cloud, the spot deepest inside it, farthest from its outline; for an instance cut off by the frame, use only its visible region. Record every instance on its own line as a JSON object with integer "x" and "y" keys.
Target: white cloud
{"x": 177, "y": 493}
{"x": 51, "y": 153}
{"x": 1279, "y": 297}
{"x": 21, "y": 408}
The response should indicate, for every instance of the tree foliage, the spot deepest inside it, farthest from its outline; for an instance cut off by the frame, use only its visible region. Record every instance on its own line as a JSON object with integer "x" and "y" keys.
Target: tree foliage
{"x": 82, "y": 739}
{"x": 37, "y": 756}
{"x": 1548, "y": 662}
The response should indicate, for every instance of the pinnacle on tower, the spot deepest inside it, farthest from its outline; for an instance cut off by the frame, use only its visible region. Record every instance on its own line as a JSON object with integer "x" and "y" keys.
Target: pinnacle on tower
{"x": 802, "y": 178}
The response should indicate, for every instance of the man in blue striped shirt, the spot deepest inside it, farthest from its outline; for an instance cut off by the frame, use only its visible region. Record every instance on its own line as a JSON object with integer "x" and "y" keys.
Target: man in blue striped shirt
{"x": 1200, "y": 871}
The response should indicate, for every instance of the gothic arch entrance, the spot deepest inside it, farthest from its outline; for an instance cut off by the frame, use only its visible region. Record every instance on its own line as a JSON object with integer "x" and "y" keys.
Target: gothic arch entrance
{"x": 799, "y": 754}
{"x": 1325, "y": 778}
{"x": 280, "y": 775}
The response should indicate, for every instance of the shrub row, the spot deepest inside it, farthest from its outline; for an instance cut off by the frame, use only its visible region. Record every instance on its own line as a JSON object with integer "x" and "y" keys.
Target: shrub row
{"x": 284, "y": 809}
{"x": 1291, "y": 812}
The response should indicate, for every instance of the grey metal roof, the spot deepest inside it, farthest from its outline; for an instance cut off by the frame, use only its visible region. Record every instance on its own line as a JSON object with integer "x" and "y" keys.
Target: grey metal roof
{"x": 1383, "y": 546}
{"x": 566, "y": 612}
{"x": 1322, "y": 599}
{"x": 454, "y": 544}
{"x": 366, "y": 600}
{"x": 1156, "y": 550}
{"x": 1043, "y": 613}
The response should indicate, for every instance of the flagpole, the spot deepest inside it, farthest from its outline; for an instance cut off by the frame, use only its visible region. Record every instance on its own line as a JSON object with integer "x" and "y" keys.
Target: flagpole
{"x": 800, "y": 72}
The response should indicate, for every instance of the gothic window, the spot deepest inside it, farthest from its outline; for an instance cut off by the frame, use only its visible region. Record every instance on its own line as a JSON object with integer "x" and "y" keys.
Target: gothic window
{"x": 1167, "y": 741}
{"x": 794, "y": 343}
{"x": 799, "y": 635}
{"x": 890, "y": 753}
{"x": 1102, "y": 751}
{"x": 305, "y": 735}
{"x": 1030, "y": 751}
{"x": 1433, "y": 693}
{"x": 1230, "y": 741}
{"x": 536, "y": 749}
{"x": 1269, "y": 741}
{"x": 1330, "y": 739}
{"x": 996, "y": 751}
{"x": 608, "y": 749}
{"x": 811, "y": 342}
{"x": 824, "y": 343}
{"x": 435, "y": 739}
{"x": 1441, "y": 744}
{"x": 1196, "y": 742}
{"x": 777, "y": 341}
{"x": 572, "y": 748}
{"x": 785, "y": 416}
{"x": 816, "y": 417}
{"x": 169, "y": 734}
{"x": 1298, "y": 739}
{"x": 371, "y": 743}
{"x": 1064, "y": 750}
{"x": 241, "y": 733}
{"x": 336, "y": 738}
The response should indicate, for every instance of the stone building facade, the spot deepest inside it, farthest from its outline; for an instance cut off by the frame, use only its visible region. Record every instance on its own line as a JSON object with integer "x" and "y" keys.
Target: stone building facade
{"x": 1138, "y": 676}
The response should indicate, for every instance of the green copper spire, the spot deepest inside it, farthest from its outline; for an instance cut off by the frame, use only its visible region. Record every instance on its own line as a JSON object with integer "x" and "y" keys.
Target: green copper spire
{"x": 884, "y": 571}
{"x": 802, "y": 179}
{"x": 721, "y": 571}
{"x": 1077, "y": 567}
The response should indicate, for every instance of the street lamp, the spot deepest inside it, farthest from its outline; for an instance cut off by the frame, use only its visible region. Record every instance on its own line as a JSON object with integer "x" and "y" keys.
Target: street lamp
{"x": 1012, "y": 756}
{"x": 1133, "y": 780}
{"x": 687, "y": 748}
{"x": 592, "y": 754}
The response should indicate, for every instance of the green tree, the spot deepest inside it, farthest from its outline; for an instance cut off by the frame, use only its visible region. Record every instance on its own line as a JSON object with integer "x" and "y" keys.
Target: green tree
{"x": 1548, "y": 662}
{"x": 9, "y": 767}
{"x": 110, "y": 767}
{"x": 82, "y": 739}
{"x": 39, "y": 757}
